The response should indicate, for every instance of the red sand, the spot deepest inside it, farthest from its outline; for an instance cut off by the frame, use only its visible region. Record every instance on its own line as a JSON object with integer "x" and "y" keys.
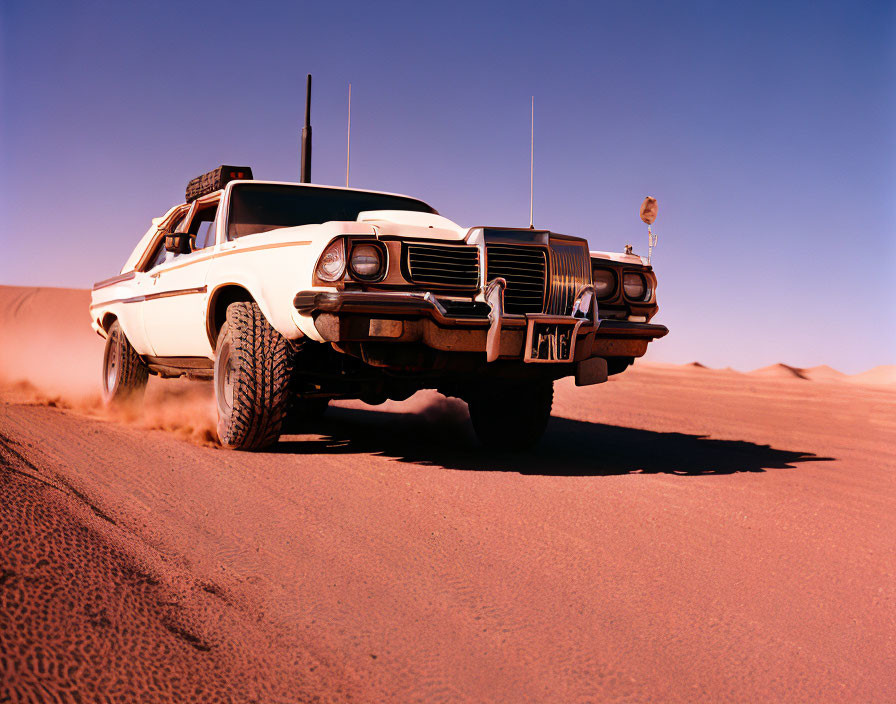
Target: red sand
{"x": 681, "y": 535}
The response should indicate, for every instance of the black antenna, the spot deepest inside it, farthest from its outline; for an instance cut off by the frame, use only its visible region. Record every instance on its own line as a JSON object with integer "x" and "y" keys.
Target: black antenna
{"x": 305, "y": 176}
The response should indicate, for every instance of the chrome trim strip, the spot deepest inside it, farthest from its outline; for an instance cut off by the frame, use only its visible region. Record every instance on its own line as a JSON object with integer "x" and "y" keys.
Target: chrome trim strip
{"x": 111, "y": 281}
{"x": 152, "y": 296}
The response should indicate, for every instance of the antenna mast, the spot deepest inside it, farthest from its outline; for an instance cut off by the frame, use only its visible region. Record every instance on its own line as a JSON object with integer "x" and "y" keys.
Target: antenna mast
{"x": 348, "y": 139}
{"x": 532, "y": 169}
{"x": 305, "y": 167}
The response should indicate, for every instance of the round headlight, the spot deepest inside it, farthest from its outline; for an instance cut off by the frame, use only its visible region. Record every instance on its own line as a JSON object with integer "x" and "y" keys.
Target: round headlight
{"x": 331, "y": 265}
{"x": 604, "y": 282}
{"x": 635, "y": 286}
{"x": 366, "y": 261}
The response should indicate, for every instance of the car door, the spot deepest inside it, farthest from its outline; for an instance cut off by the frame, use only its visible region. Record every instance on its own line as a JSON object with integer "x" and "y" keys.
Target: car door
{"x": 176, "y": 296}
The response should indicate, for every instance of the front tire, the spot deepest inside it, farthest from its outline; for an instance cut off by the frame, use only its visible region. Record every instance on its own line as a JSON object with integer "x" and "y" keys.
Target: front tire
{"x": 511, "y": 415}
{"x": 124, "y": 373}
{"x": 253, "y": 365}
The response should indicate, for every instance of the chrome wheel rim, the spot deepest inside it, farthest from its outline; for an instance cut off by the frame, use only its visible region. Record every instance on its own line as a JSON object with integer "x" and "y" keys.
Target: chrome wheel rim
{"x": 113, "y": 361}
{"x": 224, "y": 380}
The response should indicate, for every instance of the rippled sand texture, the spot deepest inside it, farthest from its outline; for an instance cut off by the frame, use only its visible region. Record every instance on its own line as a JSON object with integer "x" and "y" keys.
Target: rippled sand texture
{"x": 682, "y": 534}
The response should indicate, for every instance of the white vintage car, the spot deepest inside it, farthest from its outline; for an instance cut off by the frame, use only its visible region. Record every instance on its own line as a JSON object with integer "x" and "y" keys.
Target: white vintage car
{"x": 289, "y": 295}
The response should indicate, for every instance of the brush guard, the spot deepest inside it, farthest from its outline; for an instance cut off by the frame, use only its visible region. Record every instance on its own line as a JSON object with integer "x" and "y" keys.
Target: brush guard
{"x": 549, "y": 338}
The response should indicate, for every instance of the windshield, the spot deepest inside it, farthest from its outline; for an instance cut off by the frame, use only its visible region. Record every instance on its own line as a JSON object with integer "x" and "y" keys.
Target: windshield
{"x": 261, "y": 207}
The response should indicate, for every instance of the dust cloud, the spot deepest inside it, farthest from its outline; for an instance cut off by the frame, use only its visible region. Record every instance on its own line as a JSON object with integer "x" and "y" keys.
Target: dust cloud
{"x": 50, "y": 356}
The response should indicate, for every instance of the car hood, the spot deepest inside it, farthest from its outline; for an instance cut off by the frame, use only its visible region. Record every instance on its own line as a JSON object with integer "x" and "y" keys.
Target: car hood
{"x": 412, "y": 224}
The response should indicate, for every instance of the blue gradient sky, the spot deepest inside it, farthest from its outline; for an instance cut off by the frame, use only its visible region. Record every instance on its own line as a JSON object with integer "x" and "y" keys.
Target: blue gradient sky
{"x": 766, "y": 131}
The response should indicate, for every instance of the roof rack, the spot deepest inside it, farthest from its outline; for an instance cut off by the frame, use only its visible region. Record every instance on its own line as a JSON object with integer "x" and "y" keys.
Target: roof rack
{"x": 215, "y": 180}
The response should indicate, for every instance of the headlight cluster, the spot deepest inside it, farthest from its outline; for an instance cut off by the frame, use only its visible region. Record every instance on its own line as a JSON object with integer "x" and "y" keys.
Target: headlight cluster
{"x": 366, "y": 261}
{"x": 635, "y": 285}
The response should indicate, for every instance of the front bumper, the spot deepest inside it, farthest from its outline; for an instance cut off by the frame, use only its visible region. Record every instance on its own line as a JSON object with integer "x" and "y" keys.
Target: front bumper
{"x": 364, "y": 316}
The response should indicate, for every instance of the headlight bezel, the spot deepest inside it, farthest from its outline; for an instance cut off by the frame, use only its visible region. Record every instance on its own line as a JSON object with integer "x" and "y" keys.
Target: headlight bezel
{"x": 382, "y": 260}
{"x": 612, "y": 281}
{"x": 642, "y": 281}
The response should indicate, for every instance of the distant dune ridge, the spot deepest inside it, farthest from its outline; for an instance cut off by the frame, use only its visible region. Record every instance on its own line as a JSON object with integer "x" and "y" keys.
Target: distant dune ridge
{"x": 884, "y": 374}
{"x": 780, "y": 371}
{"x": 823, "y": 372}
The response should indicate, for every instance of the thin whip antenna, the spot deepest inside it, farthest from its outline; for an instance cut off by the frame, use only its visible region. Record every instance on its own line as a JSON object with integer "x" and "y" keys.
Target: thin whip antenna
{"x": 348, "y": 139}
{"x": 532, "y": 169}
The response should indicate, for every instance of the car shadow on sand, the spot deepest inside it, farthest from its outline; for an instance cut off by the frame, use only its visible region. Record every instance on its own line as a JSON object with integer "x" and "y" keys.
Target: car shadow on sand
{"x": 570, "y": 448}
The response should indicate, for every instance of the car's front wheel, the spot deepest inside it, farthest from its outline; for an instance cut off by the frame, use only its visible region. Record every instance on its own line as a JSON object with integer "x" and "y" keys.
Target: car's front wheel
{"x": 510, "y": 415}
{"x": 124, "y": 373}
{"x": 253, "y": 364}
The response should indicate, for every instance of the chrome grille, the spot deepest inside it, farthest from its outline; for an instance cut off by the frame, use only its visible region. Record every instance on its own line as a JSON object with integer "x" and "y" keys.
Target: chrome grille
{"x": 570, "y": 270}
{"x": 443, "y": 265}
{"x": 524, "y": 268}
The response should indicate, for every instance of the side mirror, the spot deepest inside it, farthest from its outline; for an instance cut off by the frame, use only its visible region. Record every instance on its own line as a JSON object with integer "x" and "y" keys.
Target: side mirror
{"x": 648, "y": 210}
{"x": 179, "y": 242}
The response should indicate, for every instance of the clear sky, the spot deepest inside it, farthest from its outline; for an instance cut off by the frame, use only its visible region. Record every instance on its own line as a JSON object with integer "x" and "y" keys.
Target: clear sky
{"x": 766, "y": 130}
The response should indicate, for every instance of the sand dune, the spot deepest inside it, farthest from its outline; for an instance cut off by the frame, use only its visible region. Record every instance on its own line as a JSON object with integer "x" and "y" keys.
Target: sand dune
{"x": 779, "y": 371}
{"x": 678, "y": 535}
{"x": 884, "y": 374}
{"x": 823, "y": 373}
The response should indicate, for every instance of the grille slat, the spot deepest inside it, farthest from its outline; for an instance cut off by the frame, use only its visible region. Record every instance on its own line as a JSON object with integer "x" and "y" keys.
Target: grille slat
{"x": 450, "y": 266}
{"x": 525, "y": 269}
{"x": 571, "y": 270}
{"x": 438, "y": 260}
{"x": 443, "y": 265}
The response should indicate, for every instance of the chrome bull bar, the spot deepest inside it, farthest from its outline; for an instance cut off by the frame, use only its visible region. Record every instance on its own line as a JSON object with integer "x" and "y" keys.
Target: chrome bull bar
{"x": 549, "y": 338}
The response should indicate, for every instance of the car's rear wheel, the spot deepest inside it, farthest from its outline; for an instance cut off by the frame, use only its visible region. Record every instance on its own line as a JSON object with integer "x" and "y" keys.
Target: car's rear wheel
{"x": 253, "y": 364}
{"x": 124, "y": 373}
{"x": 511, "y": 415}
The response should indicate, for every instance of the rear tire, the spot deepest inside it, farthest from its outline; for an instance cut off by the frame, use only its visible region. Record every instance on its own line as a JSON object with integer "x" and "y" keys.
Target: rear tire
{"x": 124, "y": 373}
{"x": 253, "y": 364}
{"x": 511, "y": 415}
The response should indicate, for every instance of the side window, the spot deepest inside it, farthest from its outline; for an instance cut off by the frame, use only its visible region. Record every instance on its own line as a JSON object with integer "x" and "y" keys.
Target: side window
{"x": 203, "y": 226}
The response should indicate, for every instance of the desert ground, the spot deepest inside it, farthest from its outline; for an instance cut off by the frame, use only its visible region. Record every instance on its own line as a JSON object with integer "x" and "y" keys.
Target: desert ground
{"x": 681, "y": 534}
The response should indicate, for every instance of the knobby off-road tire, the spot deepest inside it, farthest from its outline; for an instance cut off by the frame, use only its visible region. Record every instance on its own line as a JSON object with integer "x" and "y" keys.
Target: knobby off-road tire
{"x": 253, "y": 364}
{"x": 511, "y": 416}
{"x": 124, "y": 373}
